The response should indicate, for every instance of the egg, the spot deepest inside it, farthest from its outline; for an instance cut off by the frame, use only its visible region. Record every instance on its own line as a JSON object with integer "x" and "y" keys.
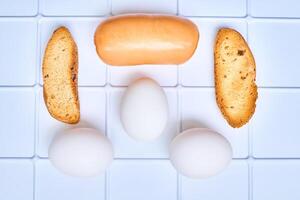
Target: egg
{"x": 144, "y": 110}
{"x": 200, "y": 153}
{"x": 81, "y": 152}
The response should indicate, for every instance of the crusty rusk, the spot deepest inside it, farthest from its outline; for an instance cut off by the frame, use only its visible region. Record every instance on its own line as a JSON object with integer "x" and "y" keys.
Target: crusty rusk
{"x": 139, "y": 39}
{"x": 60, "y": 74}
{"x": 235, "y": 73}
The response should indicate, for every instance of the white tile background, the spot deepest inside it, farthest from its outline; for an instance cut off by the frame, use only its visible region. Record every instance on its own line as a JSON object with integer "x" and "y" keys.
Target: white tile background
{"x": 266, "y": 151}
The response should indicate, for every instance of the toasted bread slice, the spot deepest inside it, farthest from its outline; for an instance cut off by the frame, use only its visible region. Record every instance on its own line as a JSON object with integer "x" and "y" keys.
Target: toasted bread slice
{"x": 235, "y": 73}
{"x": 60, "y": 69}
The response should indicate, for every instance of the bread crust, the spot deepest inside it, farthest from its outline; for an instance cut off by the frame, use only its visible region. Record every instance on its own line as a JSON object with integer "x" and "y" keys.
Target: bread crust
{"x": 235, "y": 75}
{"x": 146, "y": 39}
{"x": 60, "y": 77}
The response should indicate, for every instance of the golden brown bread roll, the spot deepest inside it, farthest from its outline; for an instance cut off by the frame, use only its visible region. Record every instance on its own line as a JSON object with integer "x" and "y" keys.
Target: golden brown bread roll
{"x": 60, "y": 75}
{"x": 236, "y": 91}
{"x": 146, "y": 39}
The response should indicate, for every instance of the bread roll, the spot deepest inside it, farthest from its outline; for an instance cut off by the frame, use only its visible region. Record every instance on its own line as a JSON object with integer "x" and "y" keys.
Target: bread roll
{"x": 236, "y": 91}
{"x": 146, "y": 39}
{"x": 60, "y": 69}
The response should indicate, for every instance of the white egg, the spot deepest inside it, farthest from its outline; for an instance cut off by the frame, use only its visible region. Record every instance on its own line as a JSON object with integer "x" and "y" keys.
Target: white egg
{"x": 200, "y": 153}
{"x": 81, "y": 152}
{"x": 144, "y": 110}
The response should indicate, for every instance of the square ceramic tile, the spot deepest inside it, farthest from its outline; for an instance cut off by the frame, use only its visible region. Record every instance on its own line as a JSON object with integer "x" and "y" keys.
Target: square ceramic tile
{"x": 17, "y": 116}
{"x": 16, "y": 179}
{"x": 52, "y": 184}
{"x": 275, "y": 125}
{"x": 276, "y": 52}
{"x": 92, "y": 114}
{"x": 229, "y": 8}
{"x": 199, "y": 70}
{"x": 92, "y": 71}
{"x": 18, "y": 7}
{"x": 142, "y": 170}
{"x": 74, "y": 7}
{"x": 199, "y": 109}
{"x": 232, "y": 184}
{"x": 125, "y": 146}
{"x": 165, "y": 75}
{"x": 276, "y": 180}
{"x": 18, "y": 51}
{"x": 146, "y": 6}
{"x": 278, "y": 8}
{"x": 147, "y": 180}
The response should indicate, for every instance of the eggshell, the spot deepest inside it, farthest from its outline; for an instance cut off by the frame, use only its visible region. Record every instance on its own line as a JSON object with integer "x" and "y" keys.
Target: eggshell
{"x": 144, "y": 110}
{"x": 200, "y": 153}
{"x": 81, "y": 152}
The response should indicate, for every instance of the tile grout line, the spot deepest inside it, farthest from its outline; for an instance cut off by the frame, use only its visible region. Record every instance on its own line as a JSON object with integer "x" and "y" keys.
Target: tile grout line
{"x": 179, "y": 117}
{"x": 186, "y": 16}
{"x": 36, "y": 51}
{"x": 110, "y": 5}
{"x": 125, "y": 86}
{"x": 249, "y": 159}
{"x": 179, "y": 186}
{"x": 108, "y": 87}
{"x": 247, "y": 7}
{"x": 106, "y": 185}
{"x": 34, "y": 160}
{"x": 34, "y": 179}
{"x": 37, "y": 100}
{"x": 177, "y": 7}
{"x": 39, "y": 54}
{"x": 37, "y": 80}
{"x": 107, "y": 123}
{"x": 250, "y": 139}
{"x": 250, "y": 178}
{"x": 36, "y": 117}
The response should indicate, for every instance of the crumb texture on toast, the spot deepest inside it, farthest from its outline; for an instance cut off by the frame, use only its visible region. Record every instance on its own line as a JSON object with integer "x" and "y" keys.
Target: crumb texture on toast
{"x": 235, "y": 74}
{"x": 60, "y": 77}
